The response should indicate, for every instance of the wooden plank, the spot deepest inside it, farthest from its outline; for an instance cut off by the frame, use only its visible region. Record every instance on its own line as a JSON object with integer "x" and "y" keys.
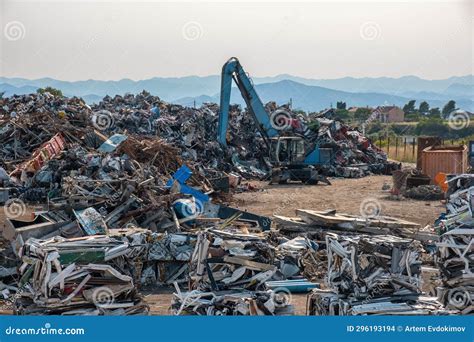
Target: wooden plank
{"x": 249, "y": 264}
{"x": 333, "y": 218}
{"x": 290, "y": 221}
{"x": 310, "y": 216}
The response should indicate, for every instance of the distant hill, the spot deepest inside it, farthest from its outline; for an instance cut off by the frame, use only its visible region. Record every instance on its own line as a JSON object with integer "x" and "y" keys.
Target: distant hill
{"x": 458, "y": 89}
{"x": 12, "y": 90}
{"x": 313, "y": 98}
{"x": 167, "y": 88}
{"x": 306, "y": 94}
{"x": 388, "y": 85}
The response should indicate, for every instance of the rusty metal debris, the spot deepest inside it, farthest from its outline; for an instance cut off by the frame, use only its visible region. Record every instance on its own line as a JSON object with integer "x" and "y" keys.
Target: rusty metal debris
{"x": 425, "y": 193}
{"x": 101, "y": 202}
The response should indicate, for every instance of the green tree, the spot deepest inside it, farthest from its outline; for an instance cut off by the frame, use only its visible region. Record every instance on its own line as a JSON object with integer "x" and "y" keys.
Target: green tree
{"x": 342, "y": 114}
{"x": 340, "y": 105}
{"x": 435, "y": 112}
{"x": 432, "y": 126}
{"x": 362, "y": 114}
{"x": 448, "y": 108}
{"x": 413, "y": 117}
{"x": 51, "y": 90}
{"x": 424, "y": 107}
{"x": 409, "y": 107}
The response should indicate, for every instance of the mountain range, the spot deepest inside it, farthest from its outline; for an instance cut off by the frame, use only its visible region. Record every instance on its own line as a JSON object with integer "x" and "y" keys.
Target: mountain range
{"x": 305, "y": 93}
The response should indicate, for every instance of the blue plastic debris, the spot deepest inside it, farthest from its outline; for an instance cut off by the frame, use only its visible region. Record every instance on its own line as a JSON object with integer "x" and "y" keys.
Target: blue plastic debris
{"x": 112, "y": 143}
{"x": 181, "y": 176}
{"x": 294, "y": 285}
{"x": 155, "y": 111}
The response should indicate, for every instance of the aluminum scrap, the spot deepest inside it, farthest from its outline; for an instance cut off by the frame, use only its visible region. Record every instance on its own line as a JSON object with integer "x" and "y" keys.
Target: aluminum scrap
{"x": 374, "y": 266}
{"x": 455, "y": 250}
{"x": 93, "y": 275}
{"x": 223, "y": 260}
{"x": 230, "y": 303}
{"x": 329, "y": 303}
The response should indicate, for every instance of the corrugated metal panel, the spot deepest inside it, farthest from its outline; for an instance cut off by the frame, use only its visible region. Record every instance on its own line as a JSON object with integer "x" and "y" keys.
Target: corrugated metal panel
{"x": 424, "y": 142}
{"x": 446, "y": 159}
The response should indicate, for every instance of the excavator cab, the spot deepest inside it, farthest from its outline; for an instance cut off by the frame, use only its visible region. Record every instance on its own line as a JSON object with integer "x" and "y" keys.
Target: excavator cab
{"x": 287, "y": 155}
{"x": 287, "y": 150}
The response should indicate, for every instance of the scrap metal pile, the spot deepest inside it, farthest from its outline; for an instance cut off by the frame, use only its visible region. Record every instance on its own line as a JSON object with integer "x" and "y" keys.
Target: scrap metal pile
{"x": 99, "y": 274}
{"x": 235, "y": 273}
{"x": 373, "y": 266}
{"x": 102, "y": 201}
{"x": 167, "y": 259}
{"x": 455, "y": 256}
{"x": 370, "y": 275}
{"x": 191, "y": 130}
{"x": 354, "y": 155}
{"x": 222, "y": 261}
{"x": 27, "y": 121}
{"x": 229, "y": 303}
{"x": 81, "y": 276}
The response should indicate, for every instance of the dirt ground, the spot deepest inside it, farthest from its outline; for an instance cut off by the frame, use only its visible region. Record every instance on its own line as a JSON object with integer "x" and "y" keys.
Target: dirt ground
{"x": 344, "y": 195}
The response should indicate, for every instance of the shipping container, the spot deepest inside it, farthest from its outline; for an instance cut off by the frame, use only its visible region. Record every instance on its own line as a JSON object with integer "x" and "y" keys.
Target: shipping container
{"x": 446, "y": 159}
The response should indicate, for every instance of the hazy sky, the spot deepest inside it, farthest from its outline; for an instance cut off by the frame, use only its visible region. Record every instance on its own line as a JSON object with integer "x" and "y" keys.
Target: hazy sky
{"x": 108, "y": 40}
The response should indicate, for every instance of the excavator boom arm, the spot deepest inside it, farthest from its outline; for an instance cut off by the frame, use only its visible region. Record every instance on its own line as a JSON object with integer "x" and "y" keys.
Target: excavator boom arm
{"x": 232, "y": 70}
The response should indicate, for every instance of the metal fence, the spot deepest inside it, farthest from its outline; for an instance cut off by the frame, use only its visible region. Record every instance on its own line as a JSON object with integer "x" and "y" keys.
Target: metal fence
{"x": 406, "y": 148}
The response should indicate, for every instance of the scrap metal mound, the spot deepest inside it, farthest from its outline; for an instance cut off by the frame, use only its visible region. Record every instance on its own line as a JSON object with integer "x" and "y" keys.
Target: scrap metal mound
{"x": 117, "y": 191}
{"x": 27, "y": 121}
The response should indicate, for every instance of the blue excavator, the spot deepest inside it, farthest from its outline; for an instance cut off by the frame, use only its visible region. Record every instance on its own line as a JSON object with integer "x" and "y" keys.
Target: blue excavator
{"x": 293, "y": 157}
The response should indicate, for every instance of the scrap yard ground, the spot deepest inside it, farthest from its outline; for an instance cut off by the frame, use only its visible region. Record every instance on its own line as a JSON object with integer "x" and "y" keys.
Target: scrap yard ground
{"x": 344, "y": 195}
